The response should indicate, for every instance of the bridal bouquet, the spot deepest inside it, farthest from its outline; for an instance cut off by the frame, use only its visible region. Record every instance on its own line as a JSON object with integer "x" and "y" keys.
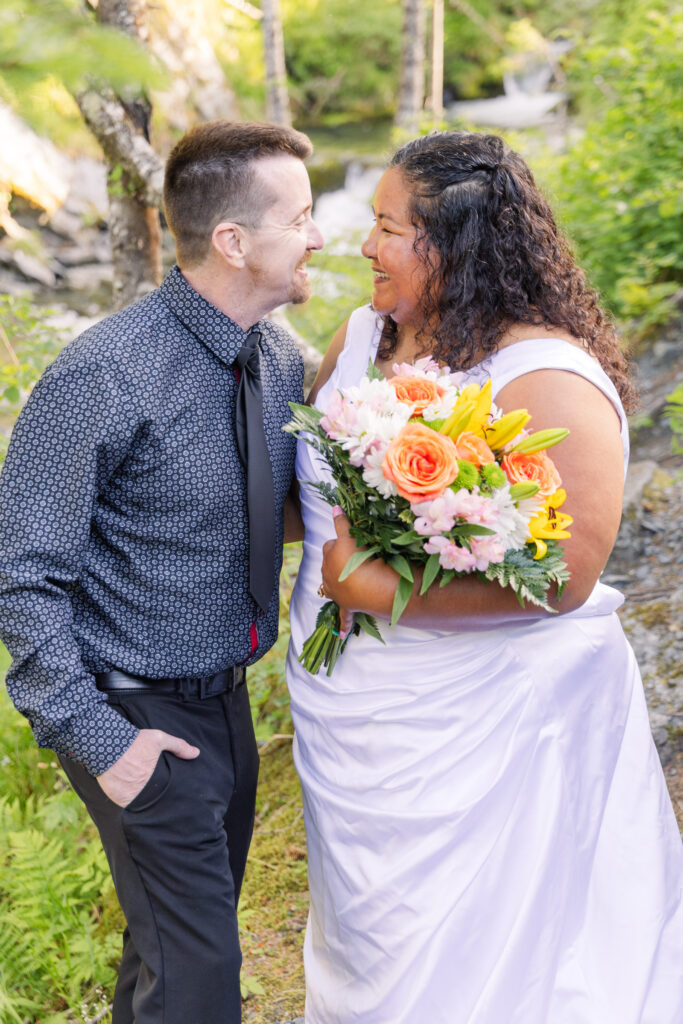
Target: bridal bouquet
{"x": 432, "y": 476}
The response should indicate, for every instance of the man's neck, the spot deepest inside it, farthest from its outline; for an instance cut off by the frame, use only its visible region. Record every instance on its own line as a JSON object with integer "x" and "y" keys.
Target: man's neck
{"x": 230, "y": 296}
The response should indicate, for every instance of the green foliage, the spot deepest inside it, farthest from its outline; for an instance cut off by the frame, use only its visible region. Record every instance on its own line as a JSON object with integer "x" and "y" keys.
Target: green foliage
{"x": 342, "y": 56}
{"x": 619, "y": 186}
{"x": 27, "y": 344}
{"x": 56, "y": 41}
{"x": 267, "y": 687}
{"x": 674, "y": 414}
{"x": 58, "y": 944}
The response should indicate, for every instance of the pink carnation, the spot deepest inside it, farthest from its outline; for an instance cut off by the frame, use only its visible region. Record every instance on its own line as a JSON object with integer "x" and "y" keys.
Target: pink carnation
{"x": 341, "y": 417}
{"x": 451, "y": 556}
{"x": 486, "y": 549}
{"x": 437, "y": 515}
{"x": 424, "y": 365}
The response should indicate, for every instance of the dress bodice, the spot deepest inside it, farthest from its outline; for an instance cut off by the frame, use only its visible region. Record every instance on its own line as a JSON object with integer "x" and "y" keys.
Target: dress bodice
{"x": 507, "y": 364}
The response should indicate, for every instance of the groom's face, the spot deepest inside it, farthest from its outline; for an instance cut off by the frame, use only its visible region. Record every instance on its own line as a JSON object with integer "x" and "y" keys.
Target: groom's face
{"x": 280, "y": 246}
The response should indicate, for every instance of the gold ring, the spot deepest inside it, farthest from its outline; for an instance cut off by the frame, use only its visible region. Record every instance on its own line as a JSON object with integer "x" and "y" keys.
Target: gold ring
{"x": 321, "y": 590}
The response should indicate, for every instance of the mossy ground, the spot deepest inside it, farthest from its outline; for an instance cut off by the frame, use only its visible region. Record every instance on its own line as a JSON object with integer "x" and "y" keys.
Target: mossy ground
{"x": 274, "y": 901}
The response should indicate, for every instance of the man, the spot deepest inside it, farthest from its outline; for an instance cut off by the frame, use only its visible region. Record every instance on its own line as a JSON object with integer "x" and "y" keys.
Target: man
{"x": 141, "y": 525}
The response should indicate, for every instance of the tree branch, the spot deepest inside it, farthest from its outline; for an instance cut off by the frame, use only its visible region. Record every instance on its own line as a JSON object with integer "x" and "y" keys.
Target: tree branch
{"x": 123, "y": 144}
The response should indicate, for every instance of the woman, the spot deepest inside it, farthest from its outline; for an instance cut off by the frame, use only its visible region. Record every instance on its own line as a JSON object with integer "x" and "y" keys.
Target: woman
{"x": 490, "y": 837}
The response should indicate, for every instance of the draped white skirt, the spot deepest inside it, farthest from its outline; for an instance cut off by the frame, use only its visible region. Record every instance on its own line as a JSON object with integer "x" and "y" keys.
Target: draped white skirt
{"x": 490, "y": 837}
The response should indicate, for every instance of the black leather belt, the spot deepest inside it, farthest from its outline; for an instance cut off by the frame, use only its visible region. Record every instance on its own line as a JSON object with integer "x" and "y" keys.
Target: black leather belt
{"x": 207, "y": 686}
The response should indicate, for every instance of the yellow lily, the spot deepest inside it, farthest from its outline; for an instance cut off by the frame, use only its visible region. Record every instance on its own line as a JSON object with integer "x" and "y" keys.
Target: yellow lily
{"x": 549, "y": 524}
{"x": 508, "y": 426}
{"x": 458, "y": 419}
{"x": 470, "y": 412}
{"x": 482, "y": 410}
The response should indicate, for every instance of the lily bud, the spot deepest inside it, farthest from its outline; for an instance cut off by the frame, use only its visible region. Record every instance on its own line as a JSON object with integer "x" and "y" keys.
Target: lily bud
{"x": 518, "y": 492}
{"x": 541, "y": 439}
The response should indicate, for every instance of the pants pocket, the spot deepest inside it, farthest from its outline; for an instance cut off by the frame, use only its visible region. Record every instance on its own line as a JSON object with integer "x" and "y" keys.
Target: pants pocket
{"x": 155, "y": 787}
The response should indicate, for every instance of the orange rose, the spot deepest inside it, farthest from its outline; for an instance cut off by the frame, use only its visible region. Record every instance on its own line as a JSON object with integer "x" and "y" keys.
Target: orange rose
{"x": 532, "y": 467}
{"x": 421, "y": 462}
{"x": 473, "y": 449}
{"x": 416, "y": 391}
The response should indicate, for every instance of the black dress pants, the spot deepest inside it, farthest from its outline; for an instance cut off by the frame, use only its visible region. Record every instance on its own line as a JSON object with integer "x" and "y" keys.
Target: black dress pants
{"x": 177, "y": 854}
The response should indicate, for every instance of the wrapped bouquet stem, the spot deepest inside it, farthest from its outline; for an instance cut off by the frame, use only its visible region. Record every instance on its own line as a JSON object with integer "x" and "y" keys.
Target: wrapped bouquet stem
{"x": 432, "y": 476}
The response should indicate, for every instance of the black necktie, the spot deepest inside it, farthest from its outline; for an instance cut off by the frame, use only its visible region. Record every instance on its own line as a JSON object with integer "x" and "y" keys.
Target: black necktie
{"x": 251, "y": 441}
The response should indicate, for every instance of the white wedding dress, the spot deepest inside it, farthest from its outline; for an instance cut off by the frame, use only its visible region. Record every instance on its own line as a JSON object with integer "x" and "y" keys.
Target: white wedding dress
{"x": 490, "y": 838}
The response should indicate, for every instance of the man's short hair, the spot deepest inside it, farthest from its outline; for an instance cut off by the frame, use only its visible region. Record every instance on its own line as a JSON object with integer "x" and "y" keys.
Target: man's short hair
{"x": 210, "y": 177}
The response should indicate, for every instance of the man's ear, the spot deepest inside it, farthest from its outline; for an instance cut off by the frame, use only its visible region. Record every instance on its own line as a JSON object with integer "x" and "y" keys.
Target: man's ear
{"x": 230, "y": 242}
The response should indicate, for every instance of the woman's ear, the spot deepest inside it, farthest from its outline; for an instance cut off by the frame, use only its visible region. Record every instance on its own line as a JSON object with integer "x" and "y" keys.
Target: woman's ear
{"x": 230, "y": 242}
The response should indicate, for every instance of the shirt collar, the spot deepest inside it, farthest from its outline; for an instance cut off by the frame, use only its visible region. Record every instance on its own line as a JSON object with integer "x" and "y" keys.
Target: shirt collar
{"x": 214, "y": 329}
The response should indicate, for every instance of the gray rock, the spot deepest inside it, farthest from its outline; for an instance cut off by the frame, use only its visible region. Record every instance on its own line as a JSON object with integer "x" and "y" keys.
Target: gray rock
{"x": 638, "y": 477}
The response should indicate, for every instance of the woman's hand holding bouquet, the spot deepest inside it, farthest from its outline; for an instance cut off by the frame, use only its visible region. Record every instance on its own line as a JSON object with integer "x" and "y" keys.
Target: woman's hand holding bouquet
{"x": 433, "y": 477}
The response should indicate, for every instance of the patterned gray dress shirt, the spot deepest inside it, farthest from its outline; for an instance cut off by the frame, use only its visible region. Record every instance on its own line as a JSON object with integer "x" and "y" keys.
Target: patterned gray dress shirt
{"x": 123, "y": 518}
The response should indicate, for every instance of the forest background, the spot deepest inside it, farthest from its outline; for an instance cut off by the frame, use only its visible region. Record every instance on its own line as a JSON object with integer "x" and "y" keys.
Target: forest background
{"x": 358, "y": 78}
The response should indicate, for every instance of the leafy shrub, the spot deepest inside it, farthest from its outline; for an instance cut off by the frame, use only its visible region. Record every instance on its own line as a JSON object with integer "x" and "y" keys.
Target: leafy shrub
{"x": 27, "y": 344}
{"x": 619, "y": 186}
{"x": 59, "y": 942}
{"x": 674, "y": 414}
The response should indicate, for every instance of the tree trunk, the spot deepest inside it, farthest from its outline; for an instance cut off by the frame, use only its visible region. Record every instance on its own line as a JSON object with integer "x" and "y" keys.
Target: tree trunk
{"x": 134, "y": 170}
{"x": 436, "y": 91}
{"x": 411, "y": 88}
{"x": 277, "y": 98}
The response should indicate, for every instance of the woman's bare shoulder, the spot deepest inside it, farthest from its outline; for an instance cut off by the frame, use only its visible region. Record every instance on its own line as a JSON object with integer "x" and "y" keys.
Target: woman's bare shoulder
{"x": 329, "y": 361}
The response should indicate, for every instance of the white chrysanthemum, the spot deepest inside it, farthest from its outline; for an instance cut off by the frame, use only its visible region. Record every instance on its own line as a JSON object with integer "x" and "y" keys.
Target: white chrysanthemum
{"x": 513, "y": 522}
{"x": 373, "y": 430}
{"x": 376, "y": 394}
{"x": 374, "y": 475}
{"x": 441, "y": 409}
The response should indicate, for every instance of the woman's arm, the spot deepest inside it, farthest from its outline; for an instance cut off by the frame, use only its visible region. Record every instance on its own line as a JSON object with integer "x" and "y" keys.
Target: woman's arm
{"x": 590, "y": 462}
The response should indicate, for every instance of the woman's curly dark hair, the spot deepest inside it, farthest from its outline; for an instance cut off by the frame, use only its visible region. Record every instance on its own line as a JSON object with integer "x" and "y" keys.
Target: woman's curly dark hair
{"x": 494, "y": 255}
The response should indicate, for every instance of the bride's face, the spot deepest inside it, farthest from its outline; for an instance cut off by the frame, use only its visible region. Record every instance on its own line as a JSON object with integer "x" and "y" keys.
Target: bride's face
{"x": 399, "y": 273}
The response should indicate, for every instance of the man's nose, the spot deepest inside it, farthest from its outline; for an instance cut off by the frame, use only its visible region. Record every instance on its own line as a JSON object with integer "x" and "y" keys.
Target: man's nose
{"x": 315, "y": 238}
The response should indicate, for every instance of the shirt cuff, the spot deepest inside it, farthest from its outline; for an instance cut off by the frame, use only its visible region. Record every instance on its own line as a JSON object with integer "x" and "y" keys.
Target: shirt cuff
{"x": 98, "y": 739}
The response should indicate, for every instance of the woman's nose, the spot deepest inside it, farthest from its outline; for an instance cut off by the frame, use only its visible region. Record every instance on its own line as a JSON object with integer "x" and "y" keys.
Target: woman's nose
{"x": 368, "y": 248}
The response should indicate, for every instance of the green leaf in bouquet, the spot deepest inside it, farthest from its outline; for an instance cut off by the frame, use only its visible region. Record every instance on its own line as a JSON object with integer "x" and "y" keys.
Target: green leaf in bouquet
{"x": 326, "y": 490}
{"x": 373, "y": 373}
{"x": 406, "y": 538}
{"x": 402, "y": 567}
{"x": 446, "y": 578}
{"x": 368, "y": 625}
{"x": 401, "y": 597}
{"x": 431, "y": 571}
{"x": 306, "y": 418}
{"x": 531, "y": 578}
{"x": 356, "y": 560}
{"x": 471, "y": 530}
{"x": 335, "y": 650}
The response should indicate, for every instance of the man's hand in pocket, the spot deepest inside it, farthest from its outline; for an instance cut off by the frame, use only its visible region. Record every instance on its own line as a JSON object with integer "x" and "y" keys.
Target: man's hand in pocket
{"x": 130, "y": 774}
